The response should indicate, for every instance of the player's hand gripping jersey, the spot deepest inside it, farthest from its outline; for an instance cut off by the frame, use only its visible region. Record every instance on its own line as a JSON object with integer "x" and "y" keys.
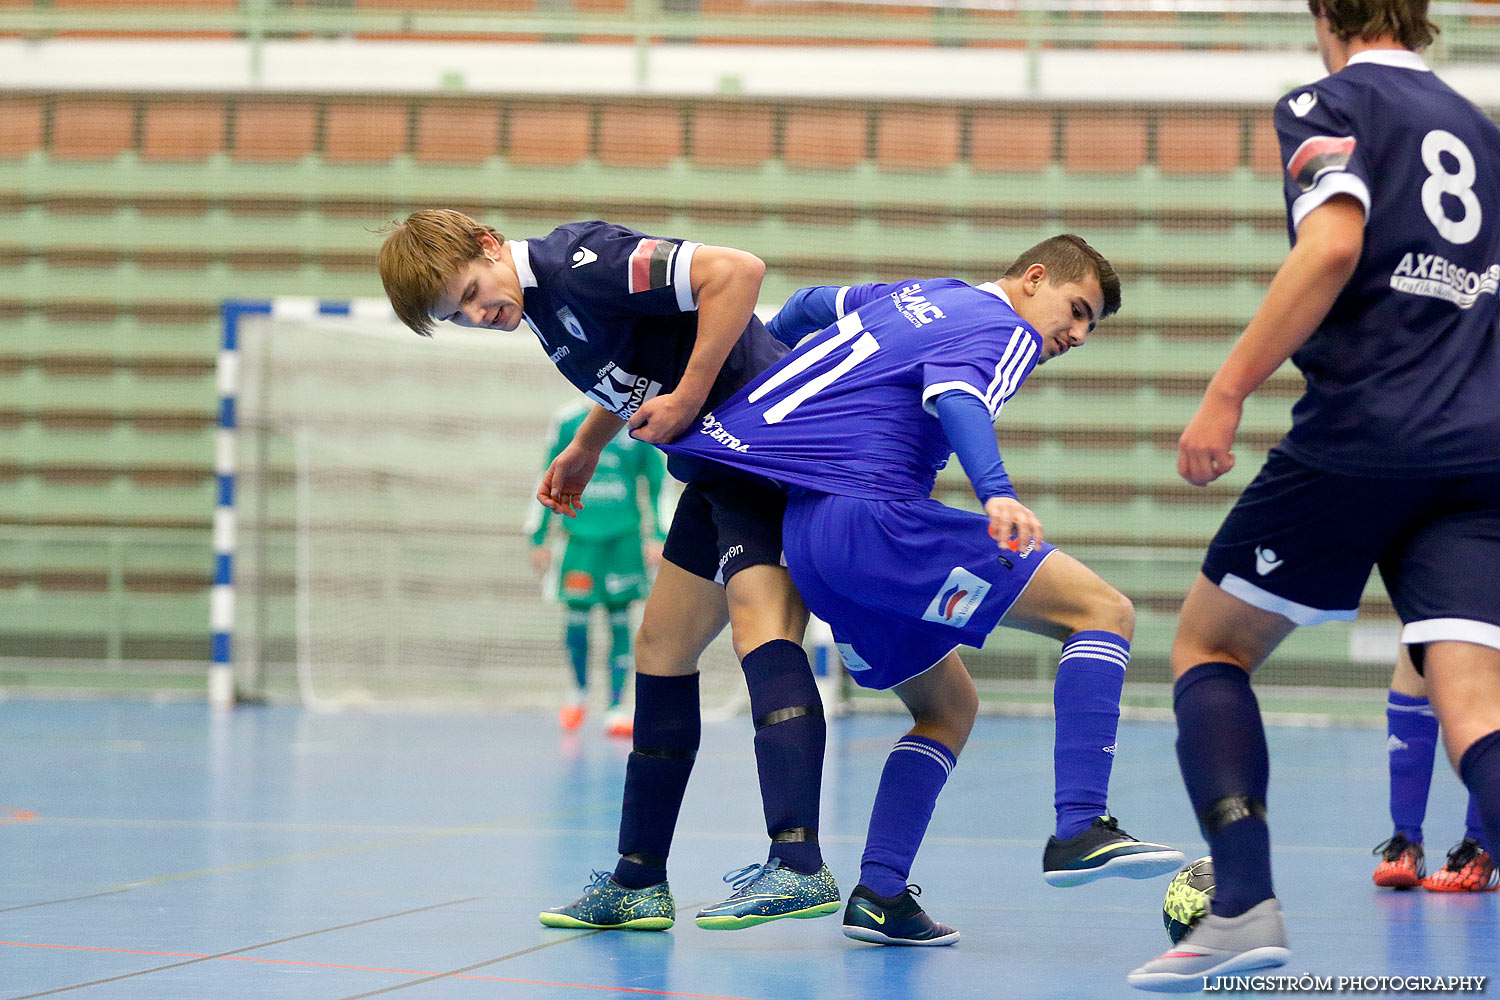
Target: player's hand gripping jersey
{"x": 850, "y": 410}
{"x": 1404, "y": 373}
{"x": 614, "y": 310}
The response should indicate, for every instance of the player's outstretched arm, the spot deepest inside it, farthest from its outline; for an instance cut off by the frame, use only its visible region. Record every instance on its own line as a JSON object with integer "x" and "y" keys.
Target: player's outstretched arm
{"x": 726, "y": 285}
{"x": 1329, "y": 242}
{"x": 561, "y": 490}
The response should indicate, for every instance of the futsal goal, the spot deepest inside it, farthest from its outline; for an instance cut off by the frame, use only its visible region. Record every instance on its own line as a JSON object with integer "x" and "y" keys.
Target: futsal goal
{"x": 373, "y": 489}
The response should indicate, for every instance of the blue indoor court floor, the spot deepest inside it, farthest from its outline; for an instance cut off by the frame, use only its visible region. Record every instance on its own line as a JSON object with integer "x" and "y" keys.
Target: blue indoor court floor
{"x": 163, "y": 852}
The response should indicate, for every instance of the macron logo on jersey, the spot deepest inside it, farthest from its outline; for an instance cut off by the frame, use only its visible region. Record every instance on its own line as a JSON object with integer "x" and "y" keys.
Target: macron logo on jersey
{"x": 957, "y": 599}
{"x": 1302, "y": 103}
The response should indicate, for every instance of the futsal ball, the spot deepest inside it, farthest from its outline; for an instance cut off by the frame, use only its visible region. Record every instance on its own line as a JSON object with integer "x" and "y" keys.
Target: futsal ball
{"x": 1188, "y": 897}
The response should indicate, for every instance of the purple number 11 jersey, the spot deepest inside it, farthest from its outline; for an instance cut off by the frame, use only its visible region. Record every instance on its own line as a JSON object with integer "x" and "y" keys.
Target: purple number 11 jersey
{"x": 850, "y": 411}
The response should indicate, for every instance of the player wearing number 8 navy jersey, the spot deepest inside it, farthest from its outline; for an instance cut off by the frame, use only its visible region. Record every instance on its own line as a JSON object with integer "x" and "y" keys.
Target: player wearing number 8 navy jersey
{"x": 855, "y": 423}
{"x": 1388, "y": 305}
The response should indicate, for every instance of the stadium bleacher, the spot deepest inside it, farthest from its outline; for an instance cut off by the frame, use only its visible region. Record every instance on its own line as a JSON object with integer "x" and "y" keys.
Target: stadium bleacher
{"x": 126, "y": 217}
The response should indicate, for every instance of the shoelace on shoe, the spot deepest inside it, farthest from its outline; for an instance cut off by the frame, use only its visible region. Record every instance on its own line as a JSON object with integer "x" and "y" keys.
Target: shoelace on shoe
{"x": 1463, "y": 854}
{"x": 1393, "y": 848}
{"x": 742, "y": 877}
{"x": 597, "y": 879}
{"x": 915, "y": 890}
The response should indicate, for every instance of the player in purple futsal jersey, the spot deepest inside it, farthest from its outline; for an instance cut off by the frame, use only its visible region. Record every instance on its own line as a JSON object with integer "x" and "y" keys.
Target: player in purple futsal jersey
{"x": 1388, "y": 304}
{"x": 855, "y": 423}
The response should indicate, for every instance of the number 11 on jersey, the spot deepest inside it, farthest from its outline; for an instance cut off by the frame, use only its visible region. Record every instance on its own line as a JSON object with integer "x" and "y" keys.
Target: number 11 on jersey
{"x": 848, "y": 329}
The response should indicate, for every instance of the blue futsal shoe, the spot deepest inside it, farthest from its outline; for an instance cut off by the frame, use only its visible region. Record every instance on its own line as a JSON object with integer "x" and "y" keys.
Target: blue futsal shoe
{"x": 1104, "y": 850}
{"x": 893, "y": 919}
{"x": 608, "y": 905}
{"x": 769, "y": 892}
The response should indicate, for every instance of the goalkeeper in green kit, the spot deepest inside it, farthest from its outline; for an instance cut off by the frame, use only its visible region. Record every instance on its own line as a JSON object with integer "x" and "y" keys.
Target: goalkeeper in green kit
{"x": 606, "y": 558}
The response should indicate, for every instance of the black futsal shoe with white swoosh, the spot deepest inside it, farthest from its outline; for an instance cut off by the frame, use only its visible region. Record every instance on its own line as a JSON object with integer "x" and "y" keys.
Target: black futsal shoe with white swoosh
{"x": 893, "y": 919}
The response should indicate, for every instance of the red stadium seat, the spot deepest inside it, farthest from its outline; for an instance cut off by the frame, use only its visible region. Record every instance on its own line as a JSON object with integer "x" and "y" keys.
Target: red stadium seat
{"x": 20, "y": 126}
{"x": 551, "y": 135}
{"x": 639, "y": 135}
{"x": 363, "y": 131}
{"x": 1265, "y": 148}
{"x": 825, "y": 138}
{"x": 1203, "y": 142}
{"x": 85, "y": 128}
{"x": 458, "y": 132}
{"x": 733, "y": 136}
{"x": 182, "y": 130}
{"x": 274, "y": 131}
{"x": 1104, "y": 141}
{"x": 916, "y": 139}
{"x": 1006, "y": 141}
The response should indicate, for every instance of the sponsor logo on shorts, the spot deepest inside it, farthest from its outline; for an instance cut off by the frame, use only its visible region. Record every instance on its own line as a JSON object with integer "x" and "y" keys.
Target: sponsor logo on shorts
{"x": 957, "y": 599}
{"x": 583, "y": 255}
{"x": 576, "y": 581}
{"x": 616, "y": 583}
{"x": 734, "y": 550}
{"x": 853, "y": 662}
{"x": 1266, "y": 560}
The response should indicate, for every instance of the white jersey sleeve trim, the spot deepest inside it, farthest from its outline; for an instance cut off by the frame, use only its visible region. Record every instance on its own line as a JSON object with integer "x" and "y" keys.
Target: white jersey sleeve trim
{"x": 838, "y": 302}
{"x": 935, "y": 390}
{"x": 1302, "y": 614}
{"x": 682, "y": 275}
{"x": 1451, "y": 630}
{"x": 1330, "y": 184}
{"x": 1013, "y": 366}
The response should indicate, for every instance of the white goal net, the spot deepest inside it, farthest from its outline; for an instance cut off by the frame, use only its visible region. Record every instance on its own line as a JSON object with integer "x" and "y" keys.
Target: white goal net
{"x": 383, "y": 481}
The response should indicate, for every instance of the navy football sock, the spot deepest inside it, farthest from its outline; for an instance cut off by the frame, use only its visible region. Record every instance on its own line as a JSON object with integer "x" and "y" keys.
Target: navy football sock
{"x": 1086, "y": 703}
{"x": 1474, "y": 824}
{"x": 790, "y": 735}
{"x": 1480, "y": 769}
{"x": 576, "y": 637}
{"x": 1411, "y": 741}
{"x": 914, "y": 774}
{"x": 668, "y": 727}
{"x": 1221, "y": 747}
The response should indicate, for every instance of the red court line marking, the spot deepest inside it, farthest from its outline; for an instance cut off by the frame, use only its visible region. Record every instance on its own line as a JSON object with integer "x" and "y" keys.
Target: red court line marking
{"x": 369, "y": 968}
{"x": 10, "y": 815}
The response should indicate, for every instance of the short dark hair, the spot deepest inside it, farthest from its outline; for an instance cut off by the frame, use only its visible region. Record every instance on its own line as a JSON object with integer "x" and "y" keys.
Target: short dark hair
{"x": 1069, "y": 258}
{"x": 1404, "y": 20}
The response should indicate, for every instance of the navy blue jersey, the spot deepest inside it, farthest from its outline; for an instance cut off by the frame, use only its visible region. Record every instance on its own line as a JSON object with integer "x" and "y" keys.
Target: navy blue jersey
{"x": 1404, "y": 372}
{"x": 614, "y": 310}
{"x": 850, "y": 410}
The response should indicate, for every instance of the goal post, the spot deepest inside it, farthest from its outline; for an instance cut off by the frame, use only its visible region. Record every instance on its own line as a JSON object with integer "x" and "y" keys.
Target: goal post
{"x": 373, "y": 487}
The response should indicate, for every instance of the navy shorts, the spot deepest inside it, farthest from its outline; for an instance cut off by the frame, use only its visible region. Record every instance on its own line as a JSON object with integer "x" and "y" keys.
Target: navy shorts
{"x": 901, "y": 583}
{"x": 1301, "y": 543}
{"x": 723, "y": 524}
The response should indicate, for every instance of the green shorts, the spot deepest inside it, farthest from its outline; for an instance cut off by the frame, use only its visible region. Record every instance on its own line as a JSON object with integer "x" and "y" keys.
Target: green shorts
{"x": 610, "y": 571}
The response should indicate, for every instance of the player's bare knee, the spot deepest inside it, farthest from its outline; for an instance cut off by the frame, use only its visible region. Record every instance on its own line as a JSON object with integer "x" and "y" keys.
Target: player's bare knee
{"x": 661, "y": 653}
{"x": 1105, "y": 609}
